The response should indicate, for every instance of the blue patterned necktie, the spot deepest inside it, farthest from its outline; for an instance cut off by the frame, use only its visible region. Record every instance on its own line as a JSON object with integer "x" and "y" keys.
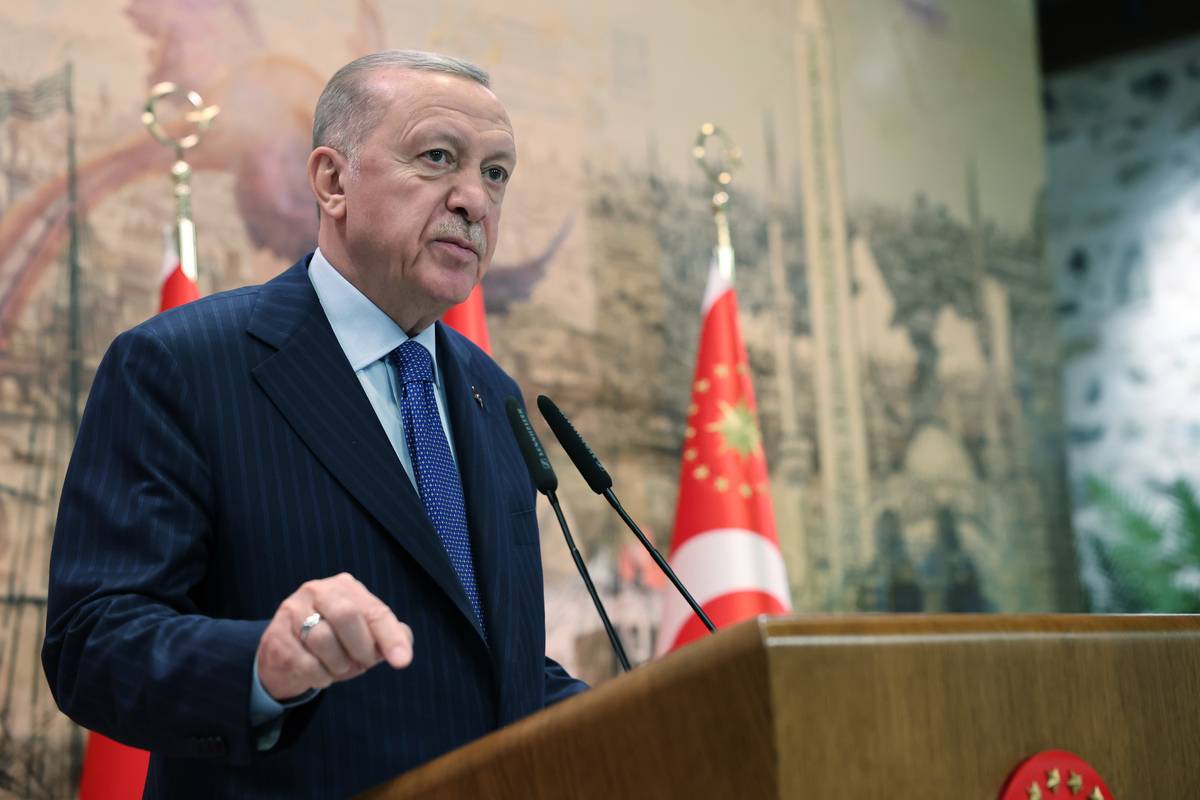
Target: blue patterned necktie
{"x": 437, "y": 477}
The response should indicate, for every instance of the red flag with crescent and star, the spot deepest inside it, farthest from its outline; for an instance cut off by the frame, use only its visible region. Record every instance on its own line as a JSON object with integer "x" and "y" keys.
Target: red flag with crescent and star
{"x": 178, "y": 287}
{"x": 724, "y": 546}
{"x": 111, "y": 770}
{"x": 470, "y": 319}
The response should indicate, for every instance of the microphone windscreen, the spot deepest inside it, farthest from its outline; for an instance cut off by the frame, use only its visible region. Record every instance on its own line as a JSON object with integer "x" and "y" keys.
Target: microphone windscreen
{"x": 585, "y": 460}
{"x": 531, "y": 449}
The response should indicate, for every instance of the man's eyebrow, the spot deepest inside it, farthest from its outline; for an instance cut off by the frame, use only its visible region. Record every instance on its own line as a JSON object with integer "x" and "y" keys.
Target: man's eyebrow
{"x": 448, "y": 136}
{"x": 440, "y": 135}
{"x": 503, "y": 154}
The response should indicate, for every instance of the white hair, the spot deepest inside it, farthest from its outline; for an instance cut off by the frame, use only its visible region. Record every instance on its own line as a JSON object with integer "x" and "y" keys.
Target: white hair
{"x": 347, "y": 111}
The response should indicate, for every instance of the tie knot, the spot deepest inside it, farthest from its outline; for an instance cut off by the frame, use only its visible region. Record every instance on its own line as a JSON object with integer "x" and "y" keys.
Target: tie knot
{"x": 412, "y": 362}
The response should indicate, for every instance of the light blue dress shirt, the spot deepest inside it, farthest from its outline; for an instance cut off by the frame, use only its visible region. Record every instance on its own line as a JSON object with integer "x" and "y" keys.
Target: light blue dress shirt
{"x": 366, "y": 335}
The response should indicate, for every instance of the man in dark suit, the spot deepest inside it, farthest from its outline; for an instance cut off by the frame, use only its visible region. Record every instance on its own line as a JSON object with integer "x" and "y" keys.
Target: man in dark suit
{"x": 297, "y": 552}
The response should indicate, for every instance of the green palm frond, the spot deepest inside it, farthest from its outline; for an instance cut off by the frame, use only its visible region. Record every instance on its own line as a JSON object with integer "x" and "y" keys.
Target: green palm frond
{"x": 1136, "y": 559}
{"x": 1137, "y": 525}
{"x": 1126, "y": 595}
{"x": 1187, "y": 506}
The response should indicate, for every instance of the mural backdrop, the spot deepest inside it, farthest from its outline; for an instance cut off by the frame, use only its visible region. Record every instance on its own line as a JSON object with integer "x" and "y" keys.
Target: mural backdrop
{"x": 899, "y": 320}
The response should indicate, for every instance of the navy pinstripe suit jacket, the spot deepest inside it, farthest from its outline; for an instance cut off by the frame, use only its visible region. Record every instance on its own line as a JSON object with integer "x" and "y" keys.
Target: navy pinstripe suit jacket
{"x": 228, "y": 454}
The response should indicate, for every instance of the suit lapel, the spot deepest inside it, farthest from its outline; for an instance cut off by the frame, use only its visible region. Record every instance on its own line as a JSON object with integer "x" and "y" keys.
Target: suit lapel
{"x": 475, "y": 424}
{"x": 311, "y": 383}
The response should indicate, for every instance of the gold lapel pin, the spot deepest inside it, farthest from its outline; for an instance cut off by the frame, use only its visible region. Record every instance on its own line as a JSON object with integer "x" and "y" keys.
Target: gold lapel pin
{"x": 478, "y": 397}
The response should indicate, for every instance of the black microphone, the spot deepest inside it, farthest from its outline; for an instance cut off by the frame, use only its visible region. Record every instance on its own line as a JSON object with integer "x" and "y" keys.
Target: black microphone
{"x": 546, "y": 482}
{"x": 600, "y": 481}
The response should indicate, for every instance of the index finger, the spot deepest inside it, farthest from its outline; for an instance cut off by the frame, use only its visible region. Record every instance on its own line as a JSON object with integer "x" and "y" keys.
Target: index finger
{"x": 393, "y": 638}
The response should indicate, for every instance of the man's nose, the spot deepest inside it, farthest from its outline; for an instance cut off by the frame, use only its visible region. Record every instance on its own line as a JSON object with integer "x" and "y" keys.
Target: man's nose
{"x": 468, "y": 197}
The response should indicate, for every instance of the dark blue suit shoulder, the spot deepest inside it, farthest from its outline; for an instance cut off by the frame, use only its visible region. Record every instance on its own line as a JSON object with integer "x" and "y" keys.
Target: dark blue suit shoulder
{"x": 201, "y": 321}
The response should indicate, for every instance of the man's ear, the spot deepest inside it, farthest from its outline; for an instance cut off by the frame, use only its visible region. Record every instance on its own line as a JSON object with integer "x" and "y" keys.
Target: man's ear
{"x": 326, "y": 170}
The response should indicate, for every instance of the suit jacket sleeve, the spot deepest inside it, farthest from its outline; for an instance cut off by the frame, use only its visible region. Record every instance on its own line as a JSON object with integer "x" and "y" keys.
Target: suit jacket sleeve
{"x": 559, "y": 684}
{"x": 127, "y": 651}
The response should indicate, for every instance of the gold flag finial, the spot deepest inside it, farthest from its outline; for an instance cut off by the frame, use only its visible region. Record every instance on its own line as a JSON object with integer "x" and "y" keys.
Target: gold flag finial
{"x": 199, "y": 118}
{"x": 718, "y": 164}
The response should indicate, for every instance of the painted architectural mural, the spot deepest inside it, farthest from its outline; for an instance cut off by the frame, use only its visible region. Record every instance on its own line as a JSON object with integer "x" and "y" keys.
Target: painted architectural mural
{"x": 899, "y": 320}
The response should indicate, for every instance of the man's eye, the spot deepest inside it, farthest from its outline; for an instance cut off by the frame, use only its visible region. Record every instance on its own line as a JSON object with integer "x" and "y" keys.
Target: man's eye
{"x": 497, "y": 174}
{"x": 437, "y": 156}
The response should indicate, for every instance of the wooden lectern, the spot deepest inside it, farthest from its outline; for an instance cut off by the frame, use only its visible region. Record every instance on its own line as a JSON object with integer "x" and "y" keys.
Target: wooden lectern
{"x": 887, "y": 707}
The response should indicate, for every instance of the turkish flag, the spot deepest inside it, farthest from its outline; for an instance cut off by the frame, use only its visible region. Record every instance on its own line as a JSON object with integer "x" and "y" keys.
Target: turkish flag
{"x": 470, "y": 319}
{"x": 111, "y": 770}
{"x": 178, "y": 287}
{"x": 724, "y": 546}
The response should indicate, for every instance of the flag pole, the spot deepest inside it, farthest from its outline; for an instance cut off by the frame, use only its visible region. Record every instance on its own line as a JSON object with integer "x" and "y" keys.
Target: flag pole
{"x": 724, "y": 544}
{"x": 74, "y": 337}
{"x": 111, "y": 770}
{"x": 200, "y": 117}
{"x": 718, "y": 164}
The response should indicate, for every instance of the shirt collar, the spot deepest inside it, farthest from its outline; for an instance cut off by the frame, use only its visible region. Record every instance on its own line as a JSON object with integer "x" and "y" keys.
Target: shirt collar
{"x": 364, "y": 331}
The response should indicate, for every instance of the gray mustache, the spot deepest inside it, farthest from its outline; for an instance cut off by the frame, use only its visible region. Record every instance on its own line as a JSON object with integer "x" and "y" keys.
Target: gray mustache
{"x": 471, "y": 231}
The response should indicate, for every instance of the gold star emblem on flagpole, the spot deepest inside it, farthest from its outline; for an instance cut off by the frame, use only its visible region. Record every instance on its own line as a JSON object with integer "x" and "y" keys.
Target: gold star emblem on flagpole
{"x": 1034, "y": 792}
{"x": 1096, "y": 794}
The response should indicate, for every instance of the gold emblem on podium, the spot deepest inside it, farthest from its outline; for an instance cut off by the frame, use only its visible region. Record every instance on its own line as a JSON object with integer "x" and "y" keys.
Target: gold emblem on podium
{"x": 1039, "y": 777}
